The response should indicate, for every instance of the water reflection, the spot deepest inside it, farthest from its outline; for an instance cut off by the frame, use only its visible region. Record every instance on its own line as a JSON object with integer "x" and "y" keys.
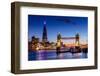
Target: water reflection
{"x": 51, "y": 54}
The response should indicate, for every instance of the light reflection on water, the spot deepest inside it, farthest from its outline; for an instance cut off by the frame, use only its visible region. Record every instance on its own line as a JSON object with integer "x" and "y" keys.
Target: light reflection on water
{"x": 50, "y": 55}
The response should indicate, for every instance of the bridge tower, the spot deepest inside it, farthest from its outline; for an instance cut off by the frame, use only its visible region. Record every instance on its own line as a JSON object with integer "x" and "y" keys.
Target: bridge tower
{"x": 59, "y": 43}
{"x": 59, "y": 40}
{"x": 77, "y": 42}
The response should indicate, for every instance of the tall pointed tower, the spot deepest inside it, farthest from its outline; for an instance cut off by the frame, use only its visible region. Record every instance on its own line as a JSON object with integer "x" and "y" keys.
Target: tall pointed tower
{"x": 44, "y": 35}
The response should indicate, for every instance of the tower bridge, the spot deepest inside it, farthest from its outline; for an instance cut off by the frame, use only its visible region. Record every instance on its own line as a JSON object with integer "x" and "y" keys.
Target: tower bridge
{"x": 60, "y": 41}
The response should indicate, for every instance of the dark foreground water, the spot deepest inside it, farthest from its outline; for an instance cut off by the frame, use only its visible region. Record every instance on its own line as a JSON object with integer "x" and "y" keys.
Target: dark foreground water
{"x": 50, "y": 55}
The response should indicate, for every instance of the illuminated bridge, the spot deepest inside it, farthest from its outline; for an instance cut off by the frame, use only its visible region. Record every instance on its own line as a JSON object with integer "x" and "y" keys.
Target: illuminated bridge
{"x": 60, "y": 41}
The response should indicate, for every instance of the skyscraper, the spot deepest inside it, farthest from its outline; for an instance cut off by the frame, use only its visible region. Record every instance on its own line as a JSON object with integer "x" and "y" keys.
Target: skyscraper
{"x": 44, "y": 35}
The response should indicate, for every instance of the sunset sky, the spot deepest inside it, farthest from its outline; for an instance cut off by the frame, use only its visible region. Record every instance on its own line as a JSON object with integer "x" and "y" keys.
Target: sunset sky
{"x": 67, "y": 26}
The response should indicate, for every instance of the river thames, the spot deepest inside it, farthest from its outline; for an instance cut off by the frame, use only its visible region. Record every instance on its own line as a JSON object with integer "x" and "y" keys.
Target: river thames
{"x": 51, "y": 55}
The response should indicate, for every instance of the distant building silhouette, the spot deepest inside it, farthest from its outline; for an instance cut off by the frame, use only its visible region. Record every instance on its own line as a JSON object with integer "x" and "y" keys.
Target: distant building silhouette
{"x": 44, "y": 35}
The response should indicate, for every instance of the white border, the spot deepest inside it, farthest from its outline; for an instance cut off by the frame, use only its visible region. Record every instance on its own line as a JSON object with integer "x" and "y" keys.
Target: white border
{"x": 25, "y": 64}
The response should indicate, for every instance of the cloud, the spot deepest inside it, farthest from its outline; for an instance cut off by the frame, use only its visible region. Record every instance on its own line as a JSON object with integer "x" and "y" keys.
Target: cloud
{"x": 68, "y": 21}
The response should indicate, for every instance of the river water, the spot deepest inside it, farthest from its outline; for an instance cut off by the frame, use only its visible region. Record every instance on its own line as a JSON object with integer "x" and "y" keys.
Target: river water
{"x": 51, "y": 54}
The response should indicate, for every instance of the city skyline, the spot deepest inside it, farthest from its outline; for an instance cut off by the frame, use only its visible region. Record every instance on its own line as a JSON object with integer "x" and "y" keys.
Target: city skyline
{"x": 67, "y": 26}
